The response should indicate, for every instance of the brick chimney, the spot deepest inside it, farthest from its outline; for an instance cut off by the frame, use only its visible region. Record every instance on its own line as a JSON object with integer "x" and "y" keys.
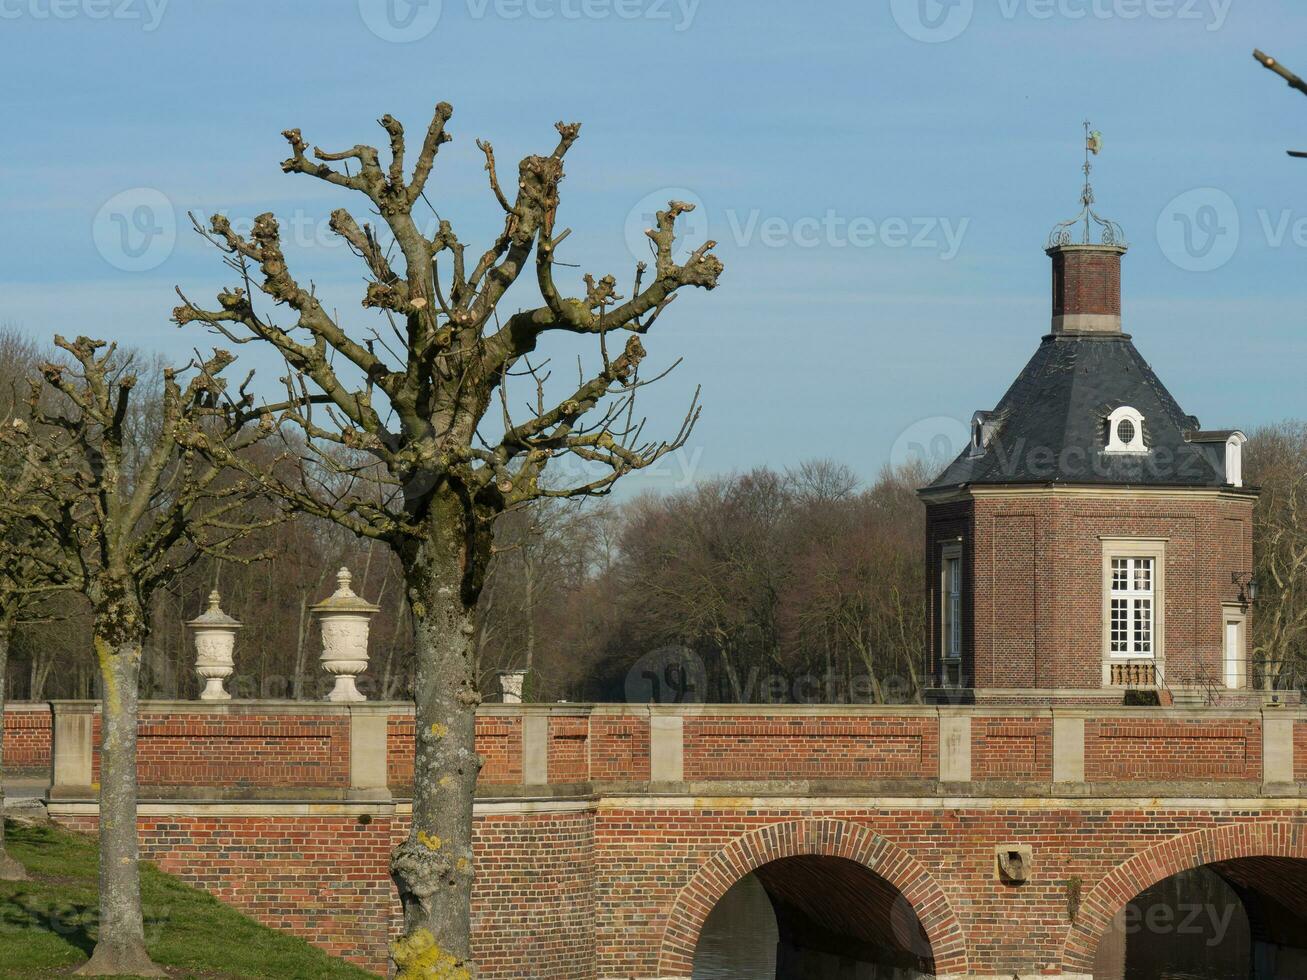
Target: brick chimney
{"x": 1086, "y": 288}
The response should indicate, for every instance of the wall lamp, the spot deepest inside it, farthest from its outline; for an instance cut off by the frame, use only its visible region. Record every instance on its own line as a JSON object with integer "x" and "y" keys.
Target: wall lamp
{"x": 1247, "y": 586}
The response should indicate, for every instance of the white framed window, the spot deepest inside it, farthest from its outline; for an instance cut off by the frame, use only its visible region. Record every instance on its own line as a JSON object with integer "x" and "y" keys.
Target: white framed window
{"x": 1132, "y": 603}
{"x": 1125, "y": 431}
{"x": 950, "y": 620}
{"x": 1134, "y": 609}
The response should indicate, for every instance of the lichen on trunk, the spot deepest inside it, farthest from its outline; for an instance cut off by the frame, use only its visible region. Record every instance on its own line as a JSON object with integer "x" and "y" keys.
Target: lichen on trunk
{"x": 120, "y": 945}
{"x": 433, "y": 867}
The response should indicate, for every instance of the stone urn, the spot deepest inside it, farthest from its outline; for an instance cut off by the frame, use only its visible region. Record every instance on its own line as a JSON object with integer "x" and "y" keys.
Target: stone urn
{"x": 345, "y": 617}
{"x": 215, "y": 639}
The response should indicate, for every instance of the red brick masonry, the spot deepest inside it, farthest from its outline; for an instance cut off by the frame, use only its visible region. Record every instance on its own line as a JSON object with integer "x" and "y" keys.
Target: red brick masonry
{"x": 27, "y": 740}
{"x": 588, "y": 869}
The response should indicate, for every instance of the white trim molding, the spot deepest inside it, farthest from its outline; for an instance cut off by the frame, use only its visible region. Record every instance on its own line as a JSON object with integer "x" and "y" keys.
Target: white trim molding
{"x": 1118, "y": 431}
{"x": 1134, "y": 547}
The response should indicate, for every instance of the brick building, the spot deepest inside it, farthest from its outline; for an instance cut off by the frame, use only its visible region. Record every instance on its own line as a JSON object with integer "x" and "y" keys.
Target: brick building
{"x": 1092, "y": 537}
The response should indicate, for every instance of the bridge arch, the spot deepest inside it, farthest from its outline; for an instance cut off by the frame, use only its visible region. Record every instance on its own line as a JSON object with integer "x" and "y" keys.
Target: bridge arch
{"x": 1236, "y": 842}
{"x": 811, "y": 838}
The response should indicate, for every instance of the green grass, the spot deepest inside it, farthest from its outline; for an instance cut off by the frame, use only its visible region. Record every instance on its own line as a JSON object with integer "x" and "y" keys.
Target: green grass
{"x": 48, "y": 924}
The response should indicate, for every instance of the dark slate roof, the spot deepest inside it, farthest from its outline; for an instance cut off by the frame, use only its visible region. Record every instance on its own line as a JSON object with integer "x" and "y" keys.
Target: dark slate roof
{"x": 1051, "y": 426}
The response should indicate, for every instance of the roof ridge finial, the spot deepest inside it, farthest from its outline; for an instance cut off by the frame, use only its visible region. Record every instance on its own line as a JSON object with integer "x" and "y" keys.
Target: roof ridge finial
{"x": 1110, "y": 232}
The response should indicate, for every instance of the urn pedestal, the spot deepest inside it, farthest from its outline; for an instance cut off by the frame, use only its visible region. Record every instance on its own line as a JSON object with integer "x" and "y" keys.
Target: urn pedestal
{"x": 345, "y": 618}
{"x": 215, "y": 640}
{"x": 511, "y": 683}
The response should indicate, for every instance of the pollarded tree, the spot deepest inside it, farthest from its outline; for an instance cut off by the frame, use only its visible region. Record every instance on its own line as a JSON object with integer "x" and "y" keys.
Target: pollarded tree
{"x": 1290, "y": 79}
{"x": 133, "y": 504}
{"x": 428, "y": 407}
{"x": 33, "y": 565}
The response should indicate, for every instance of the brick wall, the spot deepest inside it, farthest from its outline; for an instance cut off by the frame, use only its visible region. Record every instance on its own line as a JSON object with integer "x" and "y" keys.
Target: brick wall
{"x": 587, "y": 882}
{"x": 26, "y": 740}
{"x": 534, "y": 906}
{"x": 1123, "y": 749}
{"x": 652, "y": 861}
{"x": 569, "y": 750}
{"x": 325, "y": 877}
{"x": 619, "y": 748}
{"x": 787, "y": 747}
{"x": 1012, "y": 748}
{"x": 499, "y": 743}
{"x": 1086, "y": 282}
{"x": 241, "y": 750}
{"x": 1033, "y": 615}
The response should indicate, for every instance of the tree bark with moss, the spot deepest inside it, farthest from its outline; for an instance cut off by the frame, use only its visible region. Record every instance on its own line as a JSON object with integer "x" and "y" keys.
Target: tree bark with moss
{"x": 414, "y": 421}
{"x": 134, "y": 505}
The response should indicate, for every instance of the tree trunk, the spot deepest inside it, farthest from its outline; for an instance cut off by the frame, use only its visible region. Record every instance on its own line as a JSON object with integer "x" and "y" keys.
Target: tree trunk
{"x": 432, "y": 869}
{"x": 10, "y": 870}
{"x": 120, "y": 946}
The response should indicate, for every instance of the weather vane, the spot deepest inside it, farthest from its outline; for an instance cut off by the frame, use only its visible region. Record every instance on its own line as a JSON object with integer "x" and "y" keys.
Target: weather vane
{"x": 1110, "y": 232}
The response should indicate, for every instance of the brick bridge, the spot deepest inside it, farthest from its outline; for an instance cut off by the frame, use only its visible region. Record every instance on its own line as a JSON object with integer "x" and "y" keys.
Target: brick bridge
{"x": 607, "y": 833}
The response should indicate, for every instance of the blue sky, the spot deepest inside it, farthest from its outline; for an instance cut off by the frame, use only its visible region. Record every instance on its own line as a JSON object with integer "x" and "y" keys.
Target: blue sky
{"x": 881, "y": 178}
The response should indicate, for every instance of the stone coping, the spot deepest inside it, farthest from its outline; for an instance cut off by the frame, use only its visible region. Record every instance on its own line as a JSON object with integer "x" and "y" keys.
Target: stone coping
{"x": 687, "y": 802}
{"x": 796, "y": 711}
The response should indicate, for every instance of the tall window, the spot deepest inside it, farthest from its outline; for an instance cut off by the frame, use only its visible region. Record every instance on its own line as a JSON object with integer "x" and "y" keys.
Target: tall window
{"x": 1132, "y": 606}
{"x": 953, "y": 608}
{"x": 951, "y": 616}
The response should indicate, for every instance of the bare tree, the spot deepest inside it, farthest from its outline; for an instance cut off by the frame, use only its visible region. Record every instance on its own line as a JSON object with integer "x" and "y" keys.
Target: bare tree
{"x": 418, "y": 399}
{"x": 1290, "y": 79}
{"x": 32, "y": 568}
{"x": 131, "y": 505}
{"x": 1277, "y": 462}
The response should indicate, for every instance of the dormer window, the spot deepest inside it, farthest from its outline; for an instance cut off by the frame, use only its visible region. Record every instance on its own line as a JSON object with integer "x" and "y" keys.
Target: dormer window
{"x": 982, "y": 430}
{"x": 1234, "y": 458}
{"x": 1125, "y": 431}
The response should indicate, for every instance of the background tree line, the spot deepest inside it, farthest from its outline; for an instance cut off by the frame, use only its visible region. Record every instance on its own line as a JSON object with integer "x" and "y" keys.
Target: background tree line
{"x": 789, "y": 585}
